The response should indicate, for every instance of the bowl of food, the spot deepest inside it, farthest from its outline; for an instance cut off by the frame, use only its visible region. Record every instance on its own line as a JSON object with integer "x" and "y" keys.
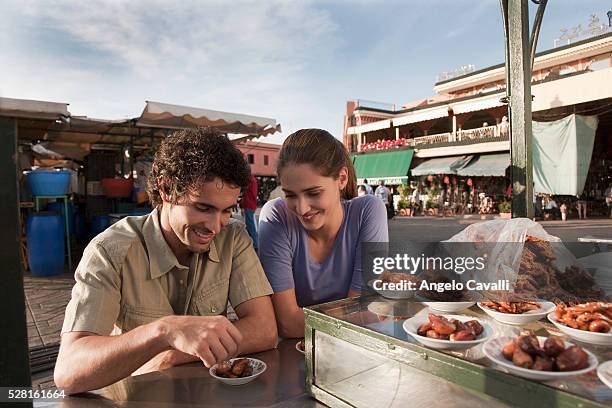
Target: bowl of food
{"x": 539, "y": 358}
{"x": 587, "y": 322}
{"x": 238, "y": 371}
{"x": 448, "y": 332}
{"x": 604, "y": 372}
{"x": 517, "y": 313}
{"x": 449, "y": 307}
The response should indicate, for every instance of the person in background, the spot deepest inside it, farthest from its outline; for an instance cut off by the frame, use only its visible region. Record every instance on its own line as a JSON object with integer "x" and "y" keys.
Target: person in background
{"x": 563, "y": 210}
{"x": 368, "y": 187}
{"x": 310, "y": 243}
{"x": 581, "y": 205}
{"x": 249, "y": 206}
{"x": 382, "y": 192}
{"x": 361, "y": 191}
{"x": 608, "y": 196}
{"x": 151, "y": 292}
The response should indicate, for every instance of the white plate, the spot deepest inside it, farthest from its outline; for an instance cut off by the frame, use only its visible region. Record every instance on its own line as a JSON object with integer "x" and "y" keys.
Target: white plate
{"x": 258, "y": 367}
{"x": 392, "y": 294}
{"x": 520, "y": 319}
{"x": 604, "y": 372}
{"x": 297, "y": 347}
{"x": 601, "y": 339}
{"x": 412, "y": 325}
{"x": 493, "y": 350}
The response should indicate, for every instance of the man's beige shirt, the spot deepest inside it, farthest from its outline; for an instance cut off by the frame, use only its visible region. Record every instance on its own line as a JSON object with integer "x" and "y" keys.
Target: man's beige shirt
{"x": 129, "y": 276}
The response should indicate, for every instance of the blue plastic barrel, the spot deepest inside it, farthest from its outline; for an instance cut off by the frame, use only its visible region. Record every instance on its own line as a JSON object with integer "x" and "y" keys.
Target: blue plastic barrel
{"x": 98, "y": 224}
{"x": 49, "y": 183}
{"x": 45, "y": 238}
{"x": 58, "y": 207}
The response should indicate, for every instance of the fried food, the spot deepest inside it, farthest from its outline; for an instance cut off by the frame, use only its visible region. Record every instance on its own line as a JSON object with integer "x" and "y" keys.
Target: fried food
{"x": 572, "y": 359}
{"x": 512, "y": 307}
{"x": 441, "y": 328}
{"x": 239, "y": 368}
{"x": 591, "y": 316}
{"x": 553, "y": 356}
{"x": 538, "y": 276}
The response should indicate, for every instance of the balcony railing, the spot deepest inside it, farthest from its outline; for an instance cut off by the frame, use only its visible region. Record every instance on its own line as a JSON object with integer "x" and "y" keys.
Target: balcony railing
{"x": 433, "y": 139}
{"x": 484, "y": 134}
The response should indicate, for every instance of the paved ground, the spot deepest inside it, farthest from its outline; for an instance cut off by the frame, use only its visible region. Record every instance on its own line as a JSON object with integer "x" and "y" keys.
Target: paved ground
{"x": 47, "y": 297}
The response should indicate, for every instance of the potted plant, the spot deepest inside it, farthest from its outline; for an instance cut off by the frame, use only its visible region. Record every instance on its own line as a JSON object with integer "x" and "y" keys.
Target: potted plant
{"x": 432, "y": 207}
{"x": 403, "y": 207}
{"x": 505, "y": 209}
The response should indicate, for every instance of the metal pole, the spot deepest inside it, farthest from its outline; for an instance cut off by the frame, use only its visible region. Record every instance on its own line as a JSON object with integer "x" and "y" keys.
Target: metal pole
{"x": 14, "y": 357}
{"x": 518, "y": 88}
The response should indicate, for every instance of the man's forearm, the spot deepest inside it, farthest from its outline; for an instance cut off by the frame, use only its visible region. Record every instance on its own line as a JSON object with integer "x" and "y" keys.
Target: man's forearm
{"x": 257, "y": 335}
{"x": 93, "y": 362}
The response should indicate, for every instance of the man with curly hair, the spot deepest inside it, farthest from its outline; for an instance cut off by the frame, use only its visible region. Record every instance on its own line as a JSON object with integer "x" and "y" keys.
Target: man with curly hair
{"x": 151, "y": 292}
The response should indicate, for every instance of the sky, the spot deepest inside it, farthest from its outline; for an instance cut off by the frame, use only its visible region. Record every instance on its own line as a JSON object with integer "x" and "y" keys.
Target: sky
{"x": 298, "y": 62}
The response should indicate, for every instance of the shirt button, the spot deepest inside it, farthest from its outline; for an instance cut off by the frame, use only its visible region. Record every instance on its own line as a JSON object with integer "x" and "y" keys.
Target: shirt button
{"x": 181, "y": 281}
{"x": 213, "y": 309}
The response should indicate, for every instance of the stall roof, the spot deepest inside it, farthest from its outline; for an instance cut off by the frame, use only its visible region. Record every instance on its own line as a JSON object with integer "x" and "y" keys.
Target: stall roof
{"x": 441, "y": 165}
{"x": 486, "y": 165}
{"x": 51, "y": 121}
{"x": 164, "y": 115}
{"x": 392, "y": 167}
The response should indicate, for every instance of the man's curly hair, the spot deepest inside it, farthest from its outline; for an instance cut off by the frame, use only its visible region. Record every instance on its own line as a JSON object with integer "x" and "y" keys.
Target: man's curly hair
{"x": 192, "y": 156}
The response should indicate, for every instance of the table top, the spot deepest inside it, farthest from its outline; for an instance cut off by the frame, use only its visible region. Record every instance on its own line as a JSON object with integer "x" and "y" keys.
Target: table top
{"x": 281, "y": 385}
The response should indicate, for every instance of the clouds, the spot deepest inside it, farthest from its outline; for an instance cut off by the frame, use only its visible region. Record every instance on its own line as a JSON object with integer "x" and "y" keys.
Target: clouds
{"x": 296, "y": 61}
{"x": 107, "y": 58}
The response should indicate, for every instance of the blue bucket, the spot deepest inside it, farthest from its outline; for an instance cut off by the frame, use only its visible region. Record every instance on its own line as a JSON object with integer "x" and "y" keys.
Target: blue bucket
{"x": 58, "y": 207}
{"x": 46, "y": 244}
{"x": 49, "y": 183}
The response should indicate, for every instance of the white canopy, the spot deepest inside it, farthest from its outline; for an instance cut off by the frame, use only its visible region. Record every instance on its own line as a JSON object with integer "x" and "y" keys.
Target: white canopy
{"x": 164, "y": 115}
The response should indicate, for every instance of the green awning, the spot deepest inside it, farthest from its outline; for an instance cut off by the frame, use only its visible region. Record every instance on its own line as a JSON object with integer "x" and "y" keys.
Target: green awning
{"x": 441, "y": 165}
{"x": 486, "y": 165}
{"x": 391, "y": 167}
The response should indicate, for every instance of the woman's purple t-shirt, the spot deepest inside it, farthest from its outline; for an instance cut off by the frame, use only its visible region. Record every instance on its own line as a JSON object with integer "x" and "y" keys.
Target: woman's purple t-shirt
{"x": 283, "y": 250}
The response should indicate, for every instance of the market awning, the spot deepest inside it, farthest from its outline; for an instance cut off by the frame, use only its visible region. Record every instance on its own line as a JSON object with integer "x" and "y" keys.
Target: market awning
{"x": 441, "y": 165}
{"x": 370, "y": 127}
{"x": 421, "y": 115}
{"x": 165, "y": 115}
{"x": 391, "y": 167}
{"x": 486, "y": 165}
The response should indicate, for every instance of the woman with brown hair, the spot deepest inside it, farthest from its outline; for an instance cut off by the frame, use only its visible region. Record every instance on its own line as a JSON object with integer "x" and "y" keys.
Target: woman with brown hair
{"x": 310, "y": 241}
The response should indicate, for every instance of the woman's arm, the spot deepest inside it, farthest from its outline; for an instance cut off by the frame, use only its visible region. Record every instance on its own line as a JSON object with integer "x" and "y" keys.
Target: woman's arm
{"x": 289, "y": 316}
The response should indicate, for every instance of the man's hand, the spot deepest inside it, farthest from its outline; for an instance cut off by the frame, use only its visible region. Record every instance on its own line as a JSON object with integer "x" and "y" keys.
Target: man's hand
{"x": 211, "y": 339}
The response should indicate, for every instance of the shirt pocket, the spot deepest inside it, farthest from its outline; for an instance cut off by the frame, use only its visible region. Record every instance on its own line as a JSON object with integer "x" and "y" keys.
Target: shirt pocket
{"x": 211, "y": 301}
{"x": 135, "y": 316}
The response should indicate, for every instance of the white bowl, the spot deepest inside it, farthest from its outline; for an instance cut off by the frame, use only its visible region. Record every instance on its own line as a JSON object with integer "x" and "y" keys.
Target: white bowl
{"x": 297, "y": 347}
{"x": 600, "y": 339}
{"x": 604, "y": 372}
{"x": 493, "y": 350}
{"x": 449, "y": 307}
{"x": 258, "y": 367}
{"x": 411, "y": 326}
{"x": 522, "y": 318}
{"x": 392, "y": 294}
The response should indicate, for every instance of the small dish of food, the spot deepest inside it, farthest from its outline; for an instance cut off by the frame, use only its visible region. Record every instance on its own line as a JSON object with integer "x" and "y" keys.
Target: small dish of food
{"x": 604, "y": 372}
{"x": 588, "y": 322}
{"x": 539, "y": 358}
{"x": 517, "y": 313}
{"x": 300, "y": 346}
{"x": 238, "y": 371}
{"x": 448, "y": 332}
